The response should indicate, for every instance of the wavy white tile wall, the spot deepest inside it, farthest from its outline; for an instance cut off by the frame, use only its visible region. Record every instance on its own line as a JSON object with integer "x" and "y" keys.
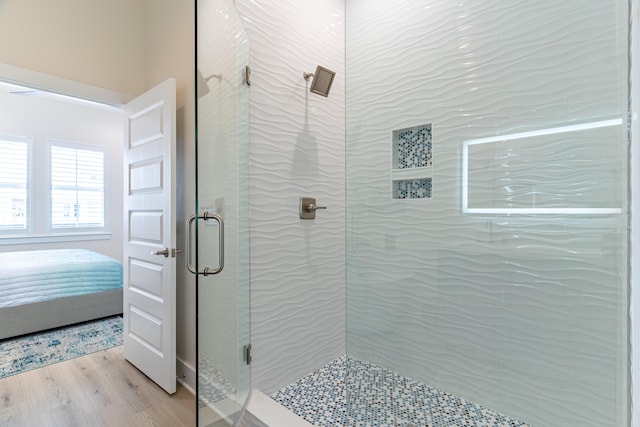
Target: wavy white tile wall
{"x": 297, "y": 149}
{"x": 523, "y": 314}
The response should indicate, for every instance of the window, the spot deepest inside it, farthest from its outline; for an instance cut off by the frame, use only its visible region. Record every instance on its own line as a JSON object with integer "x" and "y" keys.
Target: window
{"x": 72, "y": 192}
{"x": 77, "y": 186}
{"x": 54, "y": 168}
{"x": 14, "y": 182}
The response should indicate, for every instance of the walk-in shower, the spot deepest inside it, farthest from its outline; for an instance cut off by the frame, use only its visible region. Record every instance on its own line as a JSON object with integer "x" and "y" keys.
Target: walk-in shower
{"x": 471, "y": 267}
{"x": 493, "y": 264}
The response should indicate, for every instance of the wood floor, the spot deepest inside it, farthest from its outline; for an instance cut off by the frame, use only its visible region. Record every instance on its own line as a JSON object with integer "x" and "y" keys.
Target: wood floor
{"x": 101, "y": 389}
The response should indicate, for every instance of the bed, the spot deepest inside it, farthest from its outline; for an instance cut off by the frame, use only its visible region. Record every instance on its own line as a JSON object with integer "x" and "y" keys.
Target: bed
{"x": 51, "y": 288}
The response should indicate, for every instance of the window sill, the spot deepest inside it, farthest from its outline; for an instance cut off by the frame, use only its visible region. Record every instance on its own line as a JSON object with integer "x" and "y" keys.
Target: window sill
{"x": 53, "y": 238}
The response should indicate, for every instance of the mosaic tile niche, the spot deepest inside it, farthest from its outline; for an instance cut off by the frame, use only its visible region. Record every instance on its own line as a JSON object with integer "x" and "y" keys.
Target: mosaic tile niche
{"x": 412, "y": 188}
{"x": 412, "y": 163}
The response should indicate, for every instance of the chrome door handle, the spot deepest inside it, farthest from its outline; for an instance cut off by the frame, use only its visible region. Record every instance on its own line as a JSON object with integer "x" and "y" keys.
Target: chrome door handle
{"x": 188, "y": 243}
{"x": 164, "y": 252}
{"x": 206, "y": 216}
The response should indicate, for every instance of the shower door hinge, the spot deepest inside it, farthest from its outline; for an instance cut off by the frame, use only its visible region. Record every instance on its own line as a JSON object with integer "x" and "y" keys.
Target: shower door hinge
{"x": 247, "y": 354}
{"x": 247, "y": 75}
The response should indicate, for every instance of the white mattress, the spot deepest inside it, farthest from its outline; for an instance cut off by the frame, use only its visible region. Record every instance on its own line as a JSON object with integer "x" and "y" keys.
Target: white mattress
{"x": 34, "y": 276}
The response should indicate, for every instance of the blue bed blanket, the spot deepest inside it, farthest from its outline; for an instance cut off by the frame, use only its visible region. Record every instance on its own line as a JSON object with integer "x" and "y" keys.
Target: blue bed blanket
{"x": 34, "y": 276}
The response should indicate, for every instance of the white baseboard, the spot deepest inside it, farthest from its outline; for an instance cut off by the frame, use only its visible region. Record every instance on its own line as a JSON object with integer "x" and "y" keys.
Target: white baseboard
{"x": 186, "y": 375}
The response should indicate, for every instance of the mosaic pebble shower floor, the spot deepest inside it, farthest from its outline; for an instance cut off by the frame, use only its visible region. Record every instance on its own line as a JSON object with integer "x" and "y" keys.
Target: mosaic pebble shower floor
{"x": 380, "y": 398}
{"x": 212, "y": 385}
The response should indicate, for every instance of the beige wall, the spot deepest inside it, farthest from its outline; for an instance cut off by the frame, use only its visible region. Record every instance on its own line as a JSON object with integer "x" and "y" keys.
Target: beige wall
{"x": 98, "y": 43}
{"x": 125, "y": 46}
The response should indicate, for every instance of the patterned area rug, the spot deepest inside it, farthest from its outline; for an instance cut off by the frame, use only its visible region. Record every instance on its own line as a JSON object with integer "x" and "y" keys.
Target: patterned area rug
{"x": 57, "y": 345}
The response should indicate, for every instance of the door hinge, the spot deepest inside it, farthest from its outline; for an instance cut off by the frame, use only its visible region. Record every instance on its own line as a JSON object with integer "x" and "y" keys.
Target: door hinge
{"x": 247, "y": 75}
{"x": 247, "y": 354}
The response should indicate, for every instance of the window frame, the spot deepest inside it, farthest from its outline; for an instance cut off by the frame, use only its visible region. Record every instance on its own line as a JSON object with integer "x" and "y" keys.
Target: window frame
{"x": 50, "y": 230}
{"x": 28, "y": 230}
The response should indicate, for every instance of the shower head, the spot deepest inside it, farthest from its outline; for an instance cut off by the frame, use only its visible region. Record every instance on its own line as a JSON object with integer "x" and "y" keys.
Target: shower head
{"x": 322, "y": 80}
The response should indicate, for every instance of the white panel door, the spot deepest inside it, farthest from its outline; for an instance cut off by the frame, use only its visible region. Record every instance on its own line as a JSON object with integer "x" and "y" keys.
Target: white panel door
{"x": 150, "y": 234}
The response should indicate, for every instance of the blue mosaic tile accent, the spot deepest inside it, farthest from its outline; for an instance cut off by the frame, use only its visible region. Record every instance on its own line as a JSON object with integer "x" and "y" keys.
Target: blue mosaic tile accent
{"x": 212, "y": 385}
{"x": 412, "y": 189}
{"x": 413, "y": 147}
{"x": 351, "y": 393}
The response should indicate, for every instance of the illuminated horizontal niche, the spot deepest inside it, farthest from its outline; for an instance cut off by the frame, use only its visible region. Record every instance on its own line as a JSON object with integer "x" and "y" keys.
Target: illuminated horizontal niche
{"x": 521, "y": 135}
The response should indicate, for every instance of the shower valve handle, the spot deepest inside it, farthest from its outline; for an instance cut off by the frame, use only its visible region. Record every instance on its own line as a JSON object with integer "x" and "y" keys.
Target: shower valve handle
{"x": 307, "y": 208}
{"x": 312, "y": 208}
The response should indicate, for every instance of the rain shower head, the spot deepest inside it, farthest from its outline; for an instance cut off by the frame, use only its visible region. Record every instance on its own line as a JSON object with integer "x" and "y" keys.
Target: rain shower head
{"x": 322, "y": 80}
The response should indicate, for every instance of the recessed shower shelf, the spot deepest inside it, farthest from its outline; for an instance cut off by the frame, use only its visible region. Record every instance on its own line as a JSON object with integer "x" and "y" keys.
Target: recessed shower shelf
{"x": 413, "y": 173}
{"x": 415, "y": 188}
{"x": 412, "y": 162}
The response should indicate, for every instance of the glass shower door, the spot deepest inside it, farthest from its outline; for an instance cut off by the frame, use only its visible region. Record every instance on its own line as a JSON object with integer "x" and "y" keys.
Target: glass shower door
{"x": 221, "y": 224}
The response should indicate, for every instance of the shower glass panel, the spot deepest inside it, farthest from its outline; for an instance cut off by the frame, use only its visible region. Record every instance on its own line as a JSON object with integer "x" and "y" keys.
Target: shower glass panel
{"x": 487, "y": 153}
{"x": 222, "y": 189}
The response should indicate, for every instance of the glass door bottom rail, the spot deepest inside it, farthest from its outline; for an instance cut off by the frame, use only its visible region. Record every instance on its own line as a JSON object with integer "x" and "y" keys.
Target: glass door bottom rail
{"x": 380, "y": 397}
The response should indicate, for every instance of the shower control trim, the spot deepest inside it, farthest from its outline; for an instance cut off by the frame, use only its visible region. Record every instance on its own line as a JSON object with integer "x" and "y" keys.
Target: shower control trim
{"x": 308, "y": 208}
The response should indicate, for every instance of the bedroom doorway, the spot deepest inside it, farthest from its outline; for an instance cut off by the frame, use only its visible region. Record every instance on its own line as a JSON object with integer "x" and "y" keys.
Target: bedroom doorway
{"x": 148, "y": 322}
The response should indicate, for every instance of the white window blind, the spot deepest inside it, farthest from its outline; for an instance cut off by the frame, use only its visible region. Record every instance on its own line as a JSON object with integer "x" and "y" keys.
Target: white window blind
{"x": 77, "y": 187}
{"x": 14, "y": 183}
